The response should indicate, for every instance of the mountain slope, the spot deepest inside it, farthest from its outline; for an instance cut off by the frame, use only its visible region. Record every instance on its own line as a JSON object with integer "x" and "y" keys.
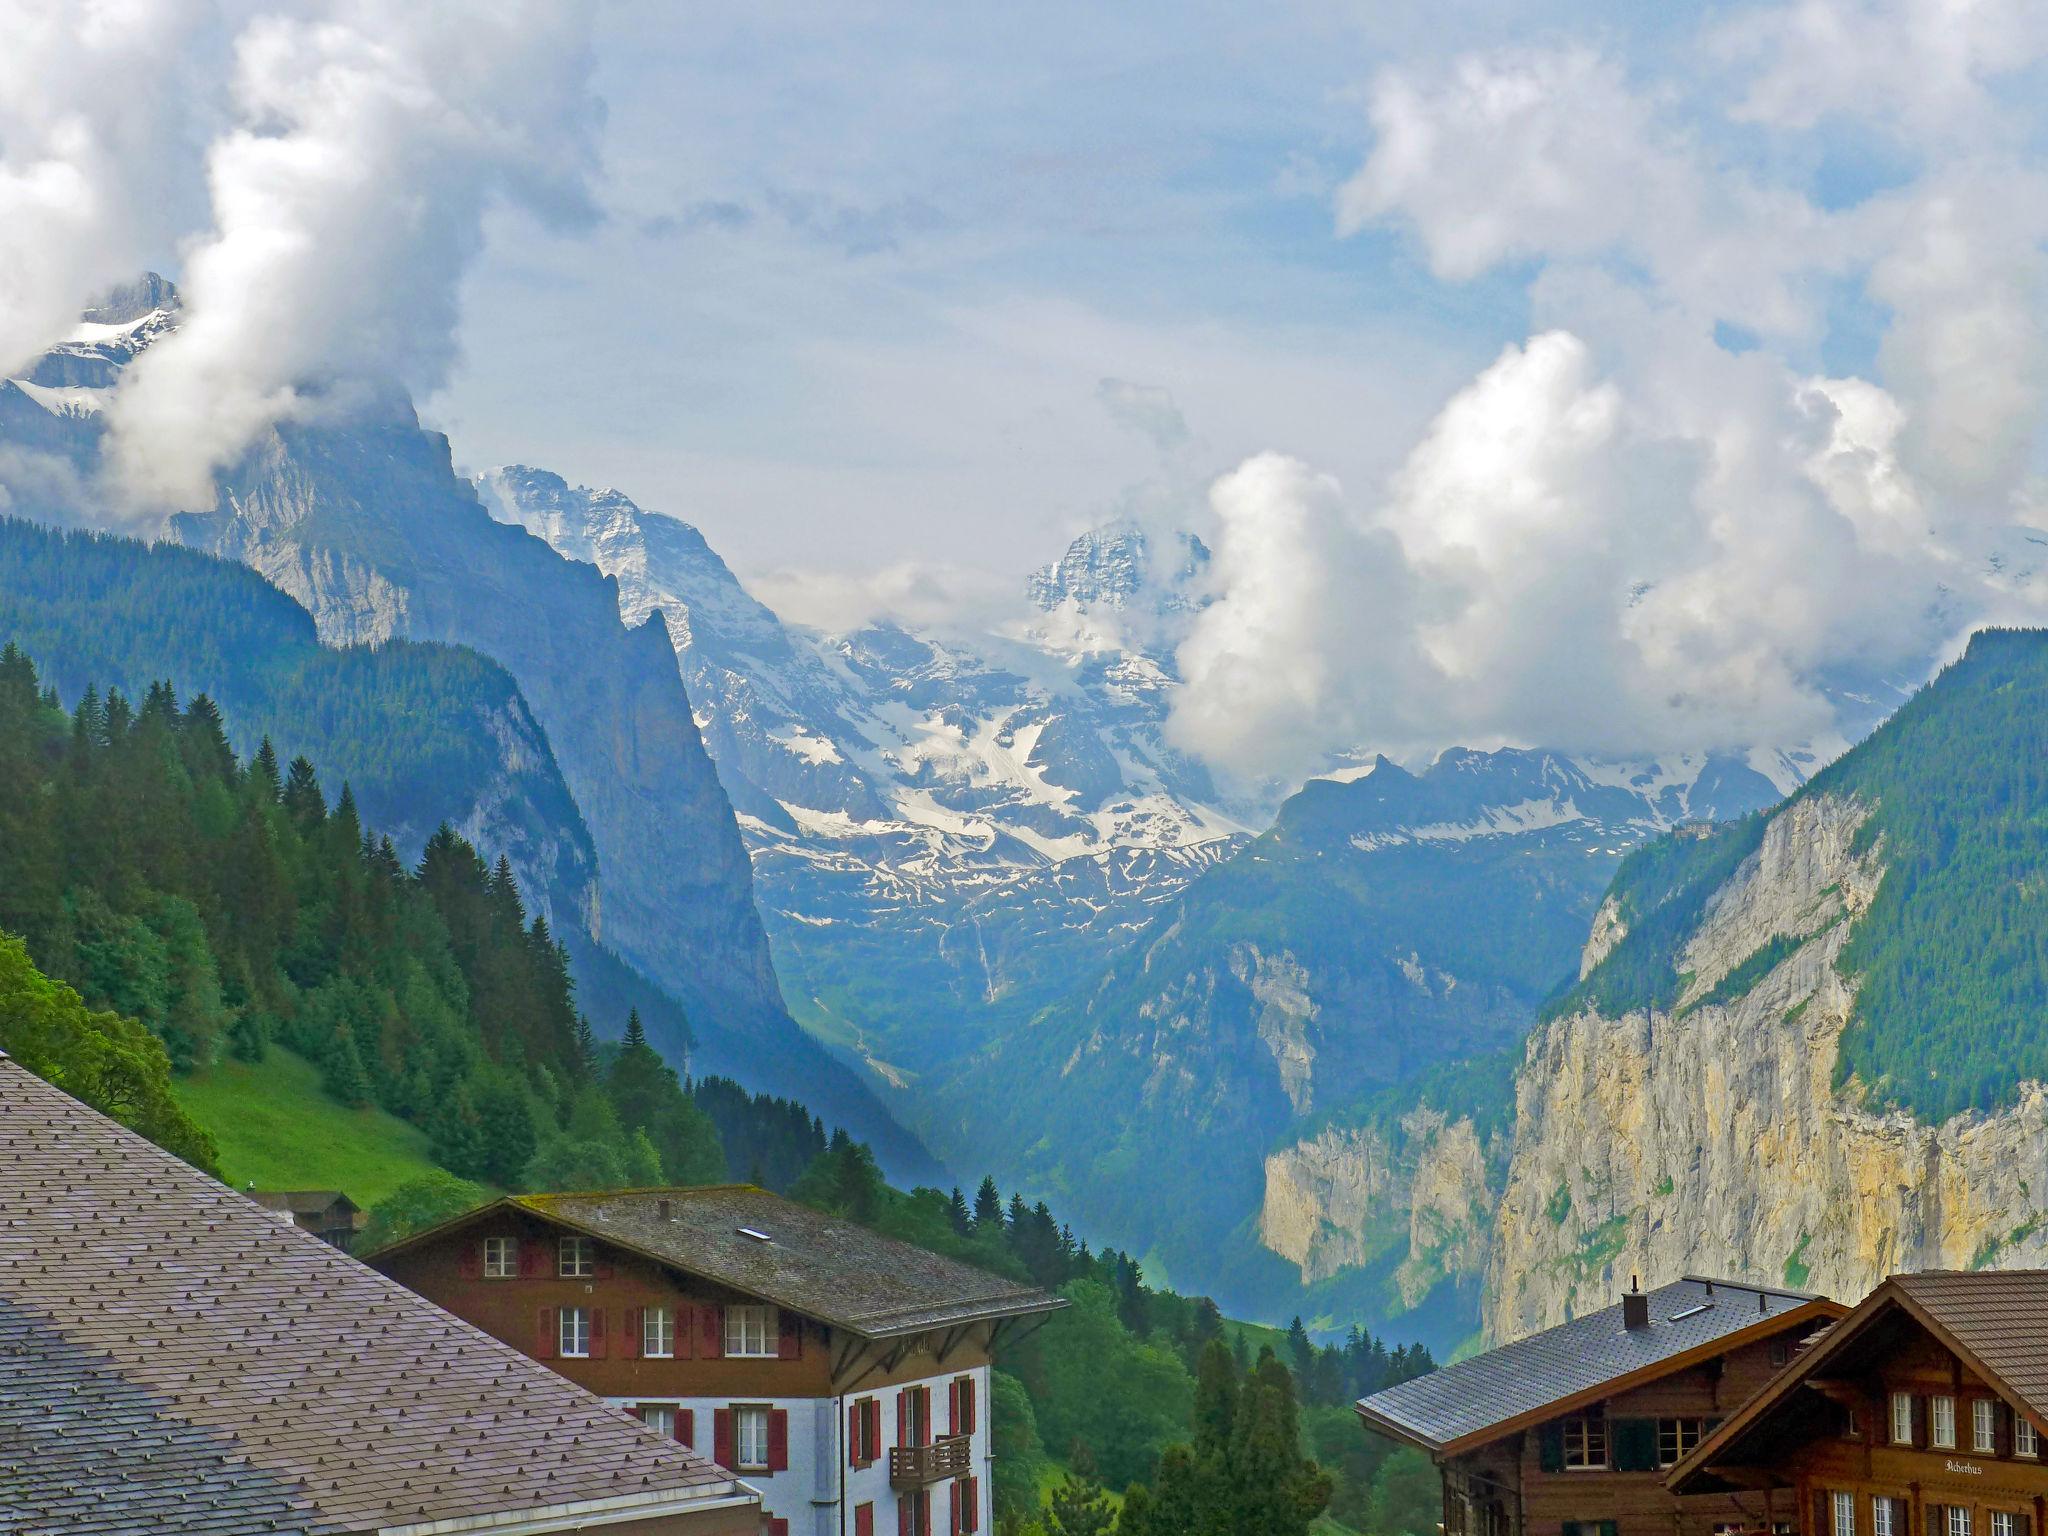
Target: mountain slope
{"x": 945, "y": 828}
{"x": 359, "y": 516}
{"x": 1384, "y": 927}
{"x": 1809, "y": 1047}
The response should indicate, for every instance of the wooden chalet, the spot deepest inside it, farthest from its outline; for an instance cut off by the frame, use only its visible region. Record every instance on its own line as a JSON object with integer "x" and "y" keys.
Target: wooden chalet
{"x": 1571, "y": 1431}
{"x": 326, "y": 1213}
{"x": 1919, "y": 1414}
{"x": 841, "y": 1373}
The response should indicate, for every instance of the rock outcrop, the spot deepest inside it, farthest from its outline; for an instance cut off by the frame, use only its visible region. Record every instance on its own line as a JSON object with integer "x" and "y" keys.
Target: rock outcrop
{"x": 1713, "y": 1138}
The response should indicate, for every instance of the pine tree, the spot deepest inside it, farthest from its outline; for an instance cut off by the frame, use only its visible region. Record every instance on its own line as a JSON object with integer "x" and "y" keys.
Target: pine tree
{"x": 988, "y": 1207}
{"x": 303, "y": 801}
{"x": 264, "y": 770}
{"x": 957, "y": 1215}
{"x": 1078, "y": 1506}
{"x": 341, "y": 1070}
{"x": 1277, "y": 1492}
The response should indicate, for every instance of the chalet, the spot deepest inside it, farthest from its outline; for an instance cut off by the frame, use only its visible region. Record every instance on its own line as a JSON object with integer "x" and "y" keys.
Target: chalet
{"x": 1921, "y": 1413}
{"x": 326, "y": 1213}
{"x": 173, "y": 1359}
{"x": 1570, "y": 1432}
{"x": 843, "y": 1374}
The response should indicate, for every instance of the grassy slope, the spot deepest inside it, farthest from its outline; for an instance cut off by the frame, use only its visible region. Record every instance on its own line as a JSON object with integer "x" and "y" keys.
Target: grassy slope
{"x": 277, "y": 1130}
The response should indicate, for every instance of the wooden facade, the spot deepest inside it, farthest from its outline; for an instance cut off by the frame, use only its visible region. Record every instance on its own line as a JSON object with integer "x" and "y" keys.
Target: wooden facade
{"x": 1894, "y": 1425}
{"x": 1574, "y": 1432}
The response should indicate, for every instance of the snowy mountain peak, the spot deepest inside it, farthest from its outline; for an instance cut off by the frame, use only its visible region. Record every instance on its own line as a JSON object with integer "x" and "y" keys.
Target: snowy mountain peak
{"x": 1108, "y": 567}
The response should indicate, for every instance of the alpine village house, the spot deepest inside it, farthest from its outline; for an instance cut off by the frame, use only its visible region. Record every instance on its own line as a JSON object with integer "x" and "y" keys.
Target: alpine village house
{"x": 1919, "y": 1414}
{"x": 841, "y": 1373}
{"x": 176, "y": 1359}
{"x": 1574, "y": 1430}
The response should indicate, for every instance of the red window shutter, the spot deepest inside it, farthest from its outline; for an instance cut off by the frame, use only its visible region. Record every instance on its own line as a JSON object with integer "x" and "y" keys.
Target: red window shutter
{"x": 686, "y": 1427}
{"x": 546, "y": 1338}
{"x": 903, "y": 1417}
{"x": 856, "y": 1422}
{"x": 472, "y": 1264}
{"x": 863, "y": 1520}
{"x": 789, "y": 1337}
{"x": 903, "y": 1527}
{"x": 711, "y": 1332}
{"x": 970, "y": 1503}
{"x": 970, "y": 1395}
{"x": 630, "y": 1333}
{"x": 874, "y": 1429}
{"x": 597, "y": 1333}
{"x": 721, "y": 1437}
{"x": 686, "y": 1338}
{"x": 953, "y": 1488}
{"x": 778, "y": 1440}
{"x": 953, "y": 1406}
{"x": 924, "y": 1415}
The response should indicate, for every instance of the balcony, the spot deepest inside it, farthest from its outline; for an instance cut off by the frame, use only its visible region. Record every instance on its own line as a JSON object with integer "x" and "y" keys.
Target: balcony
{"x": 918, "y": 1466}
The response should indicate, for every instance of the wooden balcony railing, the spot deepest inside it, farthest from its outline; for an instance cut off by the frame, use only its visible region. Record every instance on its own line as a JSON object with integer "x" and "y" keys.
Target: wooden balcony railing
{"x": 917, "y": 1466}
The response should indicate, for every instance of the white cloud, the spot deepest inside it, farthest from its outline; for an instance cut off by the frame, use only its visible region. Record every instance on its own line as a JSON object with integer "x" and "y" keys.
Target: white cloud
{"x": 94, "y": 119}
{"x": 368, "y": 141}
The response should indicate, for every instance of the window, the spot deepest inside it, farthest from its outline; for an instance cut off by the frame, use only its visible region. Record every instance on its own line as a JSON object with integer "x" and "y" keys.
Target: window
{"x": 575, "y": 1259}
{"x": 750, "y": 1332}
{"x": 1881, "y": 1523}
{"x": 1983, "y": 1425}
{"x": 864, "y": 1520}
{"x": 1585, "y": 1441}
{"x": 915, "y": 1512}
{"x": 2026, "y": 1440}
{"x": 575, "y": 1336}
{"x": 1676, "y": 1439}
{"x": 1852, "y": 1425}
{"x": 658, "y": 1333}
{"x": 864, "y": 1430}
{"x": 659, "y": 1417}
{"x": 1959, "y": 1520}
{"x": 2004, "y": 1524}
{"x": 501, "y": 1258}
{"x": 1781, "y": 1352}
{"x": 1843, "y": 1506}
{"x": 1902, "y": 1418}
{"x": 750, "y": 1438}
{"x": 1941, "y": 1419}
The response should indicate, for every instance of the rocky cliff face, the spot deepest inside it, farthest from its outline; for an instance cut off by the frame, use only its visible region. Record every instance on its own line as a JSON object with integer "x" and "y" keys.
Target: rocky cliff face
{"x": 1711, "y": 1137}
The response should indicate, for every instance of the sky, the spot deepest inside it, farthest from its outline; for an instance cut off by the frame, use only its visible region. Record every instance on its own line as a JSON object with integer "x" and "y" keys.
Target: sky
{"x": 1617, "y": 377}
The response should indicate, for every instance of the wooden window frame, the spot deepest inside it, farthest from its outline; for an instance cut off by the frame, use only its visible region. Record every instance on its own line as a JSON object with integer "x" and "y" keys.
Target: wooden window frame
{"x": 575, "y": 1257}
{"x": 564, "y": 1331}
{"x": 654, "y": 1321}
{"x": 1956, "y": 1520}
{"x": 737, "y": 1317}
{"x": 507, "y": 1258}
{"x": 1983, "y": 1426}
{"x": 1841, "y": 1512}
{"x": 1588, "y": 1427}
{"x": 641, "y": 1410}
{"x": 1937, "y": 1405}
{"x": 2026, "y": 1440}
{"x": 741, "y": 1414}
{"x": 1686, "y": 1432}
{"x": 1882, "y": 1508}
{"x": 1902, "y": 1418}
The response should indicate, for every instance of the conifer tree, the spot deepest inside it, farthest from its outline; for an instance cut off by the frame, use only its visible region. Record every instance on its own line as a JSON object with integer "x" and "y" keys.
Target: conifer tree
{"x": 1078, "y": 1506}
{"x": 303, "y": 801}
{"x": 957, "y": 1215}
{"x": 988, "y": 1207}
{"x": 341, "y": 1072}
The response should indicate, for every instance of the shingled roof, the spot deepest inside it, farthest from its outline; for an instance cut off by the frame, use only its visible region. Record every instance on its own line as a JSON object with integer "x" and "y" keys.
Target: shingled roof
{"x": 1585, "y": 1360}
{"x": 762, "y": 1245}
{"x": 1996, "y": 1322}
{"x": 174, "y": 1359}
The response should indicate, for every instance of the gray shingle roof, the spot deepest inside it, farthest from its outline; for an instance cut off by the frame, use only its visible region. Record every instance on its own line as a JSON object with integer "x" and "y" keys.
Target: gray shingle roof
{"x": 1503, "y": 1385}
{"x": 164, "y": 1340}
{"x": 836, "y": 1271}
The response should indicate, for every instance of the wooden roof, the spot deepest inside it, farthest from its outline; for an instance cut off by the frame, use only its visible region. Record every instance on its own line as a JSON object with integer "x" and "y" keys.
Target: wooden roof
{"x": 1587, "y": 1360}
{"x": 173, "y": 1358}
{"x": 757, "y": 1243}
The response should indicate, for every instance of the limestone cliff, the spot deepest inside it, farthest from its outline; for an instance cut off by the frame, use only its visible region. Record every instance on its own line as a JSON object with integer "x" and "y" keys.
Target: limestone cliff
{"x": 1711, "y": 1137}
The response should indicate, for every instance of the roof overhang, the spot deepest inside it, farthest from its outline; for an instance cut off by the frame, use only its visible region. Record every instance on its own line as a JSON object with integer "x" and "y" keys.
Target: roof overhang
{"x": 1702, "y": 1469}
{"x": 590, "y": 1514}
{"x": 878, "y": 1329}
{"x": 1820, "y": 1309}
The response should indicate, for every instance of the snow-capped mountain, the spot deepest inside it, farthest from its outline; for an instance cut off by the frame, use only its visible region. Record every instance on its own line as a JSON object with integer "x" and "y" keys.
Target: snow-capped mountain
{"x": 945, "y": 828}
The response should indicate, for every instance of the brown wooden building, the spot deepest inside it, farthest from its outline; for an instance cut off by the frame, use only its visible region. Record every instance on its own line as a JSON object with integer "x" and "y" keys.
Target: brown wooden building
{"x": 841, "y": 1373}
{"x": 1570, "y": 1432}
{"x": 1920, "y": 1414}
{"x": 326, "y": 1213}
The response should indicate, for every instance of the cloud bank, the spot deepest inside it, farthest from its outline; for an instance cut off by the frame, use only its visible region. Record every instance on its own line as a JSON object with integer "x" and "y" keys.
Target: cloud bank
{"x": 1662, "y": 522}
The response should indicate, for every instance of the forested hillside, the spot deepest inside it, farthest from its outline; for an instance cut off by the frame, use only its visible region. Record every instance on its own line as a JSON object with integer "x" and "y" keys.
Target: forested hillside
{"x": 229, "y": 907}
{"x": 424, "y": 734}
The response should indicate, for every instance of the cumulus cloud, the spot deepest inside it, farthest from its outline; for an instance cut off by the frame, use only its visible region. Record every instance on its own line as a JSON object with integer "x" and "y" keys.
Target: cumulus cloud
{"x": 1622, "y": 536}
{"x": 94, "y": 115}
{"x": 368, "y": 140}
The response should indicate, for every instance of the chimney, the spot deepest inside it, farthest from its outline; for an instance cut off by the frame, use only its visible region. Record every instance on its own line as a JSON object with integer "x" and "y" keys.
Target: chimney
{"x": 662, "y": 1209}
{"x": 1635, "y": 1306}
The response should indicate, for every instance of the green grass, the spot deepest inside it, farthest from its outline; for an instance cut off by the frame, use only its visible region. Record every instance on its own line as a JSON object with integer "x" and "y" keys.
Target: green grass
{"x": 277, "y": 1130}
